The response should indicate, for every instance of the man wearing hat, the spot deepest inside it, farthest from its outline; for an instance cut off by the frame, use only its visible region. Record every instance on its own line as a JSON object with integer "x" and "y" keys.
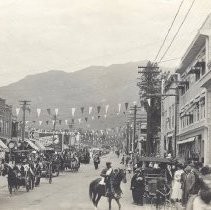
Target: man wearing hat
{"x": 108, "y": 176}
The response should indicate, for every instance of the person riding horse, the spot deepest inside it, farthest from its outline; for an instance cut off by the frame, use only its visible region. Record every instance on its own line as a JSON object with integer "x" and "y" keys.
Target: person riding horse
{"x": 107, "y": 175}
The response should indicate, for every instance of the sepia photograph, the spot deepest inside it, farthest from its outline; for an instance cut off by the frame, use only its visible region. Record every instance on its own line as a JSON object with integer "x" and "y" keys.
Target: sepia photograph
{"x": 105, "y": 105}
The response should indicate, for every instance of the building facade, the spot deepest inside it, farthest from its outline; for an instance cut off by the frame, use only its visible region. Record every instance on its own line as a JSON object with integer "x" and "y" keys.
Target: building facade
{"x": 169, "y": 116}
{"x": 194, "y": 136}
{"x": 5, "y": 121}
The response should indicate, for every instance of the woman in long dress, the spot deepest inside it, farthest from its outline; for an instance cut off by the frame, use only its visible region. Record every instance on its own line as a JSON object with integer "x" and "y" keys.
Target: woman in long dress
{"x": 176, "y": 188}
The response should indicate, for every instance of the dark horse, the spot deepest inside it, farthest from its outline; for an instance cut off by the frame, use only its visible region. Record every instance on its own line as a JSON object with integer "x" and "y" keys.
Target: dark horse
{"x": 96, "y": 190}
{"x": 14, "y": 181}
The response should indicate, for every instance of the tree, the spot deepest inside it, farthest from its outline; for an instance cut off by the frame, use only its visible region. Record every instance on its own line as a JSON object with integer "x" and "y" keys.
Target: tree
{"x": 150, "y": 96}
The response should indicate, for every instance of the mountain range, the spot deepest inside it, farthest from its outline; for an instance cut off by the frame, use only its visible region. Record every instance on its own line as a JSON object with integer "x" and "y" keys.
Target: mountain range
{"x": 93, "y": 86}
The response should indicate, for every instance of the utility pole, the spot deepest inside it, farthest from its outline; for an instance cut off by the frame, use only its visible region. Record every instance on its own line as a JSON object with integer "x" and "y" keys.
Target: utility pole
{"x": 54, "y": 129}
{"x": 134, "y": 129}
{"x": 151, "y": 70}
{"x": 127, "y": 133}
{"x": 24, "y": 105}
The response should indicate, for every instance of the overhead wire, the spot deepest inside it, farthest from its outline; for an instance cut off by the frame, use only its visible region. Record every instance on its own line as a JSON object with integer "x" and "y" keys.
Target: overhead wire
{"x": 178, "y": 30}
{"x": 174, "y": 19}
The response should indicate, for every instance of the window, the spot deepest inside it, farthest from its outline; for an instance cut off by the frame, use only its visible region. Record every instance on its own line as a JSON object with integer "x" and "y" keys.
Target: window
{"x": 169, "y": 117}
{"x": 197, "y": 111}
{"x": 173, "y": 113}
{"x": 203, "y": 68}
{"x": 191, "y": 118}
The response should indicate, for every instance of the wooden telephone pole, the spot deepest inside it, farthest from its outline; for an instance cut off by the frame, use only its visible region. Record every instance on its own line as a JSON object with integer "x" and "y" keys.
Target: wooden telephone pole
{"x": 24, "y": 107}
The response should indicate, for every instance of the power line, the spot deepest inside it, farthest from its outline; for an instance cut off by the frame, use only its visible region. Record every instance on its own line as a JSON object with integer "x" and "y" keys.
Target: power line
{"x": 172, "y": 59}
{"x": 169, "y": 29}
{"x": 184, "y": 19}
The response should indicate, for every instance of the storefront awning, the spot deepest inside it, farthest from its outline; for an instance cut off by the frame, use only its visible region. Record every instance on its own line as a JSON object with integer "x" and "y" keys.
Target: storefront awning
{"x": 191, "y": 139}
{"x": 3, "y": 146}
{"x": 32, "y": 145}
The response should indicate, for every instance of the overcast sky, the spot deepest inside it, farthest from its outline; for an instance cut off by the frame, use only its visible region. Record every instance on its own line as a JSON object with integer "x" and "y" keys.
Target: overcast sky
{"x": 42, "y": 35}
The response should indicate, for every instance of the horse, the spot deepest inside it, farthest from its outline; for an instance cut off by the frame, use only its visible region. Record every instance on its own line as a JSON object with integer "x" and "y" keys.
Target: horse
{"x": 97, "y": 190}
{"x": 12, "y": 177}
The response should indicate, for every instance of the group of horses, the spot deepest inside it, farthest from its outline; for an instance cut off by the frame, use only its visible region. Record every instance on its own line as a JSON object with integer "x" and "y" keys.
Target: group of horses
{"x": 28, "y": 175}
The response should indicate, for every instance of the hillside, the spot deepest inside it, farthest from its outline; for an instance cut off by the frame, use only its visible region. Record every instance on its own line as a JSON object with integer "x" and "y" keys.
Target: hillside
{"x": 93, "y": 86}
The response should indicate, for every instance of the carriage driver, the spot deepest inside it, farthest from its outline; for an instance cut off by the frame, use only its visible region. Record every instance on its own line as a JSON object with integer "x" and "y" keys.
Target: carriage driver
{"x": 108, "y": 176}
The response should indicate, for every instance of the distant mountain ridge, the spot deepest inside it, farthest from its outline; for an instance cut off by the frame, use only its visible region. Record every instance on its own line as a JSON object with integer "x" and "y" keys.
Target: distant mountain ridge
{"x": 92, "y": 86}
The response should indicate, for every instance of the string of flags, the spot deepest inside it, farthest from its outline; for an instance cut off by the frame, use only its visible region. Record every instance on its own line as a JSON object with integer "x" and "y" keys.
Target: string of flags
{"x": 90, "y": 112}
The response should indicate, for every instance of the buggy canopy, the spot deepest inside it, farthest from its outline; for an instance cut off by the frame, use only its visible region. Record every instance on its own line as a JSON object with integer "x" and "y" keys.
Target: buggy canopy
{"x": 154, "y": 159}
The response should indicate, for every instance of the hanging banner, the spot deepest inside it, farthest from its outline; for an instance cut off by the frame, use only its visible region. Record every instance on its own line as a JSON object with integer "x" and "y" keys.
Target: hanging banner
{"x": 90, "y": 110}
{"x": 119, "y": 106}
{"x": 60, "y": 122}
{"x": 49, "y": 111}
{"x": 79, "y": 120}
{"x": 38, "y": 112}
{"x": 66, "y": 121}
{"x": 105, "y": 116}
{"x": 82, "y": 110}
{"x": 40, "y": 122}
{"x": 47, "y": 122}
{"x": 73, "y": 121}
{"x": 53, "y": 121}
{"x": 86, "y": 119}
{"x": 98, "y": 109}
{"x": 93, "y": 117}
{"x": 106, "y": 108}
{"x": 73, "y": 112}
{"x": 56, "y": 111}
{"x": 149, "y": 101}
{"x": 126, "y": 106}
{"x": 17, "y": 111}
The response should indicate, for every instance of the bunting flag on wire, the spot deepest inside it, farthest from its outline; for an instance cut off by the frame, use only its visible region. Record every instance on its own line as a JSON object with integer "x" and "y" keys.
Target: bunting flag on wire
{"x": 17, "y": 111}
{"x": 60, "y": 122}
{"x": 126, "y": 106}
{"x": 119, "y": 106}
{"x": 56, "y": 111}
{"x": 47, "y": 122}
{"x": 79, "y": 120}
{"x": 86, "y": 119}
{"x": 93, "y": 117}
{"x": 106, "y": 108}
{"x": 38, "y": 112}
{"x": 82, "y": 110}
{"x": 73, "y": 112}
{"x": 40, "y": 122}
{"x": 66, "y": 121}
{"x": 98, "y": 109}
{"x": 90, "y": 109}
{"x": 49, "y": 111}
{"x": 149, "y": 101}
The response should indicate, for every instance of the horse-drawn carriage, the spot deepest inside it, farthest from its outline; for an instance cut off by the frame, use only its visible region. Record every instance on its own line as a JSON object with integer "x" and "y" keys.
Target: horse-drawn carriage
{"x": 84, "y": 156}
{"x": 71, "y": 162}
{"x": 19, "y": 173}
{"x": 157, "y": 190}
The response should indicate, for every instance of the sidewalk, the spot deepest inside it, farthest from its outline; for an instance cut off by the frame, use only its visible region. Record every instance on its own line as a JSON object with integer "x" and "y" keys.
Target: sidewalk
{"x": 3, "y": 182}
